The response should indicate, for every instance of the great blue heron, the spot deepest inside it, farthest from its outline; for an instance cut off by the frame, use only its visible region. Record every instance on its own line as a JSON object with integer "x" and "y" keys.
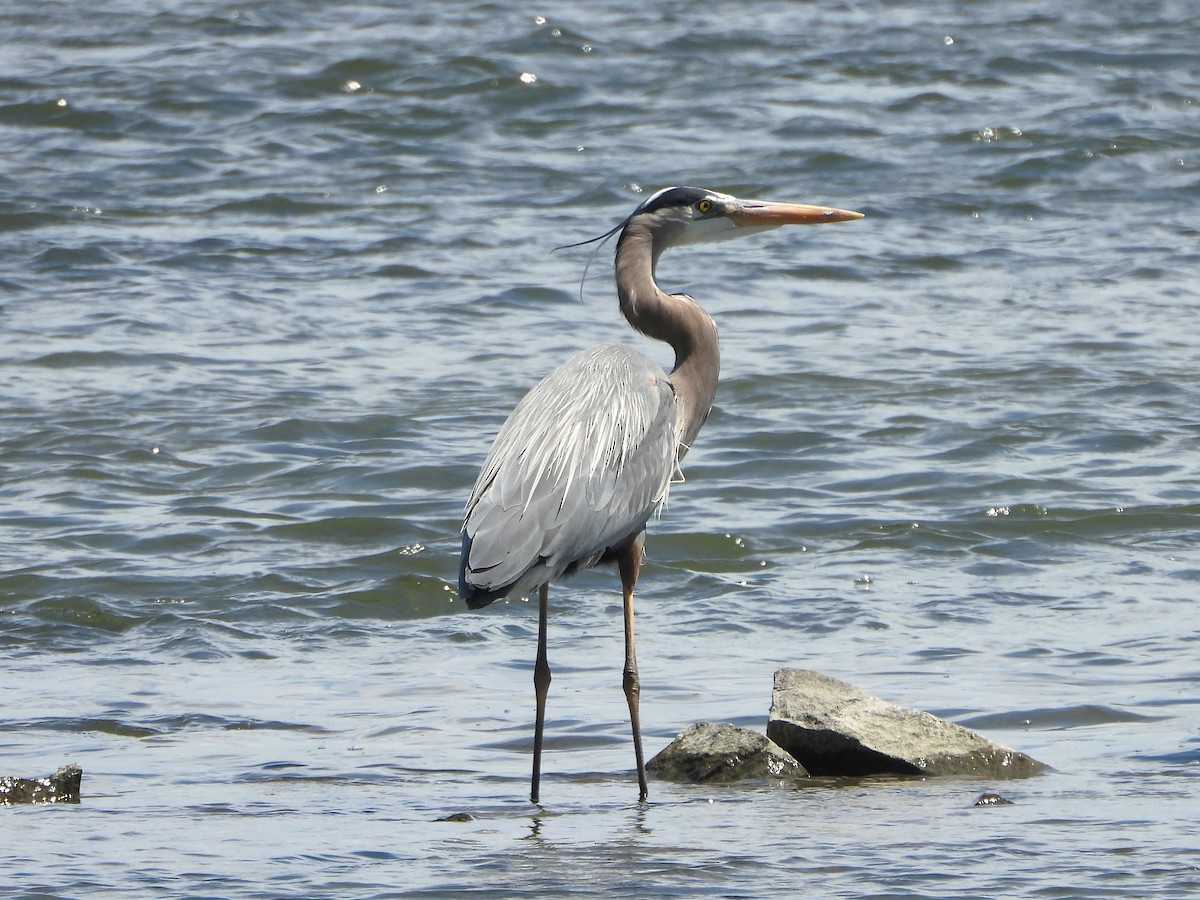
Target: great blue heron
{"x": 587, "y": 457}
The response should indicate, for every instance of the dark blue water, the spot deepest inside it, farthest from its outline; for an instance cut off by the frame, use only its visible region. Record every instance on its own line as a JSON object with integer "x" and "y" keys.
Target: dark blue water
{"x": 274, "y": 275}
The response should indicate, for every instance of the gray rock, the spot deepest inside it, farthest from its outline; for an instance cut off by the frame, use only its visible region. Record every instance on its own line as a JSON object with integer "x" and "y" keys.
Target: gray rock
{"x": 708, "y": 753}
{"x": 834, "y": 728}
{"x": 991, "y": 798}
{"x": 61, "y": 787}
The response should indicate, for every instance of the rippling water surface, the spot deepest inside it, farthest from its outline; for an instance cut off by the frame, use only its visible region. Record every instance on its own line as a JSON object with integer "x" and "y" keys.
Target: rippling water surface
{"x": 275, "y": 273}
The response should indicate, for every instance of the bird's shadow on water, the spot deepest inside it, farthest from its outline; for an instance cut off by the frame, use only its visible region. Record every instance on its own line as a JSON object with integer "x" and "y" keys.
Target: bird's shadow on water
{"x": 541, "y": 818}
{"x": 572, "y": 801}
{"x": 634, "y": 814}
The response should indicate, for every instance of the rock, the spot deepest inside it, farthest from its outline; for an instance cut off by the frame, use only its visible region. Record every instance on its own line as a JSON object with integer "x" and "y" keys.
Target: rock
{"x": 991, "y": 798}
{"x": 834, "y": 728}
{"x": 61, "y": 787}
{"x": 708, "y": 753}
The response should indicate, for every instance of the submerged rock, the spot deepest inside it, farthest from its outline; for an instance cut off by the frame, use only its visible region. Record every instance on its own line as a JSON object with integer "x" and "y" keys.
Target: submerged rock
{"x": 833, "y": 728}
{"x": 991, "y": 798}
{"x": 457, "y": 817}
{"x": 708, "y": 753}
{"x": 61, "y": 787}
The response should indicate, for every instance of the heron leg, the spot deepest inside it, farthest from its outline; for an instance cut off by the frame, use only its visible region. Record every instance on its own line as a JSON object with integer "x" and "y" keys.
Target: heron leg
{"x": 541, "y": 685}
{"x": 630, "y": 564}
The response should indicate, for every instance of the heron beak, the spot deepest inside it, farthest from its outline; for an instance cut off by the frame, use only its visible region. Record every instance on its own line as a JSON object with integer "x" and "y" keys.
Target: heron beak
{"x": 766, "y": 214}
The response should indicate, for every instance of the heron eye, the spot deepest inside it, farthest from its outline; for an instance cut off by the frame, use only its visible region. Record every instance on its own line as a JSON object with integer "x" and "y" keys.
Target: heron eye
{"x": 704, "y": 206}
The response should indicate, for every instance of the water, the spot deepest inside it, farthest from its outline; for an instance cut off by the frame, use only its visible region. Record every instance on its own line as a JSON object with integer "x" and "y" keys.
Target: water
{"x": 273, "y": 276}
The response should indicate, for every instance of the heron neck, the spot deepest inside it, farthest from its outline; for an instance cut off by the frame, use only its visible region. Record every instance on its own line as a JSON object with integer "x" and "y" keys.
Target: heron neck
{"x": 679, "y": 321}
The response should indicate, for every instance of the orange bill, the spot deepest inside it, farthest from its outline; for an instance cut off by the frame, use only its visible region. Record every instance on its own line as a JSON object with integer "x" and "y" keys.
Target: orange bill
{"x": 767, "y": 213}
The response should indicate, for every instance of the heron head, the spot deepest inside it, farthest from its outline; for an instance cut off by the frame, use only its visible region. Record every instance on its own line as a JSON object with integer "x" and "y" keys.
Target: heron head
{"x": 675, "y": 216}
{"x": 689, "y": 215}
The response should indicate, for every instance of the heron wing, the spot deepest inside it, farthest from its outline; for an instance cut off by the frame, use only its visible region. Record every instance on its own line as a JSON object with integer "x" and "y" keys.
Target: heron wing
{"x": 580, "y": 466}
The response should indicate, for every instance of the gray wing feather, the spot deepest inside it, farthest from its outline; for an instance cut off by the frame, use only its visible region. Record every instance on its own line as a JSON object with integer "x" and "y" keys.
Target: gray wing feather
{"x": 582, "y": 464}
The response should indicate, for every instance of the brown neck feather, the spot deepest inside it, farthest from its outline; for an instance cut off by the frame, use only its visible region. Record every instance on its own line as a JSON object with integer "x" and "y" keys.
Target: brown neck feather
{"x": 676, "y": 319}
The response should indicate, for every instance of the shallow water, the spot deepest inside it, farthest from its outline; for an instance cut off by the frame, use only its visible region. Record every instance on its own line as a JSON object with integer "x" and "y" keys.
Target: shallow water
{"x": 275, "y": 275}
